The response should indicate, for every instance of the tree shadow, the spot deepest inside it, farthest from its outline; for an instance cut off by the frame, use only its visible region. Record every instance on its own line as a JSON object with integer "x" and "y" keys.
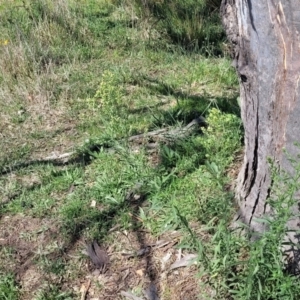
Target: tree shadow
{"x": 82, "y": 157}
{"x": 145, "y": 109}
{"x": 106, "y": 220}
{"x": 192, "y": 106}
{"x": 12, "y": 196}
{"x": 189, "y": 106}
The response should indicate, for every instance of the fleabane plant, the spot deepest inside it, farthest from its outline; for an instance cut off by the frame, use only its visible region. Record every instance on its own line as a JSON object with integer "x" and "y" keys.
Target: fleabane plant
{"x": 109, "y": 94}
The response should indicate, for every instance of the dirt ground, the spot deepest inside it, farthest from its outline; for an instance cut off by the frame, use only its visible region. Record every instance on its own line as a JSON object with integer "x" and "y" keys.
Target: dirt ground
{"x": 140, "y": 267}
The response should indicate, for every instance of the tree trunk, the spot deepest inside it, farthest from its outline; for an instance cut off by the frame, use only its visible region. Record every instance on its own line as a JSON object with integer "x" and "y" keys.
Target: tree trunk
{"x": 266, "y": 44}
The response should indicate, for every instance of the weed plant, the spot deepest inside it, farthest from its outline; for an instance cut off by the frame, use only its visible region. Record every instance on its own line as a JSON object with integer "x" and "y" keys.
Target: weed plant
{"x": 239, "y": 266}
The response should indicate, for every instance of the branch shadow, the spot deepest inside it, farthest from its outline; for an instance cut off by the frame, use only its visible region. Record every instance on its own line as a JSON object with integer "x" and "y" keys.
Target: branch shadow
{"x": 12, "y": 196}
{"x": 107, "y": 219}
{"x": 82, "y": 157}
{"x": 195, "y": 104}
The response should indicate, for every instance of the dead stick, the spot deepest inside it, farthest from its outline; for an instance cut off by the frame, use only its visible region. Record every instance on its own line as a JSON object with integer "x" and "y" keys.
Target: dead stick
{"x": 84, "y": 290}
{"x": 163, "y": 135}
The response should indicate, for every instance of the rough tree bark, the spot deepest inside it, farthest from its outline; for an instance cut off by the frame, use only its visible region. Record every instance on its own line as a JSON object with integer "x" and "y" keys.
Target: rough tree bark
{"x": 265, "y": 38}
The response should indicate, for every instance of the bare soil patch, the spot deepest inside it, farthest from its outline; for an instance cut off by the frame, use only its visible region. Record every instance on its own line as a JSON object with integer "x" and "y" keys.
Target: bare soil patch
{"x": 139, "y": 263}
{"x": 23, "y": 241}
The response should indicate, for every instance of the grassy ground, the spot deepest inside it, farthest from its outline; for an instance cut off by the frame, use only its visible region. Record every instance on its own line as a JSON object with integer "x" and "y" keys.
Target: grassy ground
{"x": 83, "y": 77}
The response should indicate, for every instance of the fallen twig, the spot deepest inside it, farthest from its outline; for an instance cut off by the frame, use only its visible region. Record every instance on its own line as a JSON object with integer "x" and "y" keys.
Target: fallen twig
{"x": 63, "y": 156}
{"x": 150, "y": 140}
{"x": 84, "y": 289}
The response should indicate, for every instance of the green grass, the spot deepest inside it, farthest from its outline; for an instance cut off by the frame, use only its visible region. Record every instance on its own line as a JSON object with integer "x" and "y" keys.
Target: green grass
{"x": 82, "y": 77}
{"x": 193, "y": 24}
{"x": 8, "y": 288}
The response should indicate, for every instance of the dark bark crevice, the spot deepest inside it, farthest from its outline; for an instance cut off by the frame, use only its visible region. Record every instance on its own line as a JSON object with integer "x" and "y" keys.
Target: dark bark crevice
{"x": 254, "y": 162}
{"x": 251, "y": 15}
{"x": 246, "y": 172}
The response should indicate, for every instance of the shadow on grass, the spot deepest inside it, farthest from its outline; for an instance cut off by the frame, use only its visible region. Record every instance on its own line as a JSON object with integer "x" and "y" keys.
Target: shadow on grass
{"x": 191, "y": 105}
{"x": 188, "y": 108}
{"x": 105, "y": 220}
{"x": 145, "y": 109}
{"x": 81, "y": 158}
{"x": 11, "y": 197}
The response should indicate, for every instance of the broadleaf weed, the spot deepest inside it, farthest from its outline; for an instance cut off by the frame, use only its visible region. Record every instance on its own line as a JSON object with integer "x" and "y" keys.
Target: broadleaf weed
{"x": 242, "y": 267}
